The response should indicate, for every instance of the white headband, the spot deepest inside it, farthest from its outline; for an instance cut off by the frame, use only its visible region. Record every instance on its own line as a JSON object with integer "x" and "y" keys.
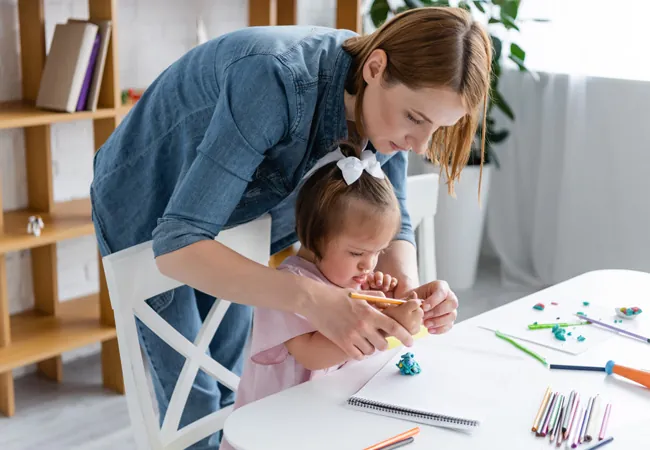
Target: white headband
{"x": 351, "y": 166}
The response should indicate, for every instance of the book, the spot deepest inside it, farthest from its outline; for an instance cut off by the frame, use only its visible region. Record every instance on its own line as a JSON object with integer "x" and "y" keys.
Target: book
{"x": 104, "y": 33}
{"x": 65, "y": 66}
{"x": 434, "y": 397}
{"x": 85, "y": 87}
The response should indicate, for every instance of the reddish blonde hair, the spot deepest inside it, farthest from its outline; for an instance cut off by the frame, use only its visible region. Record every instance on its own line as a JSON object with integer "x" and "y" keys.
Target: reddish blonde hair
{"x": 433, "y": 47}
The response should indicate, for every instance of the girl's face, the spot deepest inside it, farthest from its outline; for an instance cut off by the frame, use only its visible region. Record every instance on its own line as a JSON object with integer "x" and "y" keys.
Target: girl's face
{"x": 397, "y": 118}
{"x": 351, "y": 255}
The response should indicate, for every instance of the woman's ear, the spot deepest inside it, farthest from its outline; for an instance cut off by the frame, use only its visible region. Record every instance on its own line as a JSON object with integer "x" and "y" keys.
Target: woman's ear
{"x": 374, "y": 67}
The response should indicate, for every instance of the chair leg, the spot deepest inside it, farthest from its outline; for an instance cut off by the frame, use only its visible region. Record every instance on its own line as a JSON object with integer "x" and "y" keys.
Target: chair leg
{"x": 426, "y": 250}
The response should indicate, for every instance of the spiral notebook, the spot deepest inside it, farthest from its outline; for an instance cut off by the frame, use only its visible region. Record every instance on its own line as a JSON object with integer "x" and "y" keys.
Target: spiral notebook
{"x": 446, "y": 392}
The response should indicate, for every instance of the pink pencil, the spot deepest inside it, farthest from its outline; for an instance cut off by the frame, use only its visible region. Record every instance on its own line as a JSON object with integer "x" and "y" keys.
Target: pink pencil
{"x": 603, "y": 427}
{"x": 573, "y": 417}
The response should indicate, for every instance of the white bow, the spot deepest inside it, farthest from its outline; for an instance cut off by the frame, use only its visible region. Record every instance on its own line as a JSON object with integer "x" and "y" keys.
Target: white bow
{"x": 352, "y": 167}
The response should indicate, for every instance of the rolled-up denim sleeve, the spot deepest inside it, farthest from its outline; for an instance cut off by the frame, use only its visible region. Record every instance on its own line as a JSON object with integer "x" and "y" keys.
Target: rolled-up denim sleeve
{"x": 396, "y": 170}
{"x": 254, "y": 111}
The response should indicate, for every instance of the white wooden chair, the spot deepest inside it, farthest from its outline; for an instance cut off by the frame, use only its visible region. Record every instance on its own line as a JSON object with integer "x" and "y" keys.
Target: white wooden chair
{"x": 132, "y": 277}
{"x": 422, "y": 203}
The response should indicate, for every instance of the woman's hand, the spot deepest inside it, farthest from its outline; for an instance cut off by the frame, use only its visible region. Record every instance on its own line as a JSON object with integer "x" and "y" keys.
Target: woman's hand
{"x": 354, "y": 325}
{"x": 409, "y": 314}
{"x": 440, "y": 306}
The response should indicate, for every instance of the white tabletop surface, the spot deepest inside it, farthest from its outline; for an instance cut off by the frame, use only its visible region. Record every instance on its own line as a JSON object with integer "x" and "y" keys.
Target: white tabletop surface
{"x": 314, "y": 415}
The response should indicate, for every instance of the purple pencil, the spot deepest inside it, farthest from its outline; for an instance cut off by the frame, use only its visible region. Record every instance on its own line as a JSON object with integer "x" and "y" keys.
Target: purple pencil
{"x": 613, "y": 328}
{"x": 542, "y": 430}
{"x": 576, "y": 429}
{"x": 583, "y": 427}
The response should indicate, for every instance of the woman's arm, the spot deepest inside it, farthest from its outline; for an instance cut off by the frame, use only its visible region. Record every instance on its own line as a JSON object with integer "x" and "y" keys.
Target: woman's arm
{"x": 215, "y": 269}
{"x": 315, "y": 352}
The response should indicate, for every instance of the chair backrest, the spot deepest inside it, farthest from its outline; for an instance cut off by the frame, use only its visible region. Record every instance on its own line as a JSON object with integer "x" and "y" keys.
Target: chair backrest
{"x": 132, "y": 277}
{"x": 422, "y": 204}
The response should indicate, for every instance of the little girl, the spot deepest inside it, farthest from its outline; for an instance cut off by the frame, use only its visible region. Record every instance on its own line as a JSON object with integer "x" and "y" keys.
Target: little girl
{"x": 346, "y": 215}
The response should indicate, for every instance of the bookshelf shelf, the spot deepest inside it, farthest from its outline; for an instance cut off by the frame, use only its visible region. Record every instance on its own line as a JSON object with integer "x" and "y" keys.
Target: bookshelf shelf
{"x": 20, "y": 114}
{"x": 68, "y": 222}
{"x": 37, "y": 337}
{"x": 41, "y": 335}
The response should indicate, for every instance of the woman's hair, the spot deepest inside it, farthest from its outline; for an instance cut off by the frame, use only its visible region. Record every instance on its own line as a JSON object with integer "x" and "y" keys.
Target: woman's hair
{"x": 325, "y": 204}
{"x": 432, "y": 47}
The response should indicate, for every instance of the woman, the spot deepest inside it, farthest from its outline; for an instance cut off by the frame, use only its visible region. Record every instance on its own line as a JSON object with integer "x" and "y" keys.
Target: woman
{"x": 225, "y": 134}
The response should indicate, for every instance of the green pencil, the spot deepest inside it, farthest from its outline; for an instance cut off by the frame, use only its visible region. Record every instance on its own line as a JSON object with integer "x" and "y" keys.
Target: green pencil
{"x": 539, "y": 326}
{"x": 522, "y": 348}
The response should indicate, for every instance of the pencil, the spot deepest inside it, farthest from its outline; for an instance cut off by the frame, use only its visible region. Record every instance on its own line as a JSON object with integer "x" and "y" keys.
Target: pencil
{"x": 400, "y": 437}
{"x": 576, "y": 430}
{"x": 399, "y": 444}
{"x": 585, "y": 422}
{"x": 567, "y": 416}
{"x": 522, "y": 348}
{"x": 600, "y": 444}
{"x": 603, "y": 427}
{"x": 613, "y": 328}
{"x": 592, "y": 426}
{"x": 574, "y": 416}
{"x": 538, "y": 417}
{"x": 547, "y": 414}
{"x": 376, "y": 299}
{"x": 570, "y": 367}
{"x": 541, "y": 326}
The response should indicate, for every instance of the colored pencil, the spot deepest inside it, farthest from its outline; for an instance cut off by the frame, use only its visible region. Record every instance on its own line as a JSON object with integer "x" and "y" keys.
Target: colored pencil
{"x": 585, "y": 422}
{"x": 603, "y": 427}
{"x": 522, "y": 348}
{"x": 592, "y": 426}
{"x": 542, "y": 406}
{"x": 576, "y": 430}
{"x": 399, "y": 444}
{"x": 565, "y": 421}
{"x": 376, "y": 299}
{"x": 613, "y": 328}
{"x": 600, "y": 444}
{"x": 541, "y": 326}
{"x": 547, "y": 415}
{"x": 574, "y": 418}
{"x": 400, "y": 437}
{"x": 570, "y": 367}
{"x": 556, "y": 419}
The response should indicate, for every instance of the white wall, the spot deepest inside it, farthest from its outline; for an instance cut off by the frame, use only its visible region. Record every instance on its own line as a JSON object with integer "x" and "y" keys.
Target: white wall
{"x": 152, "y": 34}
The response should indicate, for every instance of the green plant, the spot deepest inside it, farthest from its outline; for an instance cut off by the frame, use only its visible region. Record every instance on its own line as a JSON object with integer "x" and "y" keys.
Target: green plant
{"x": 498, "y": 14}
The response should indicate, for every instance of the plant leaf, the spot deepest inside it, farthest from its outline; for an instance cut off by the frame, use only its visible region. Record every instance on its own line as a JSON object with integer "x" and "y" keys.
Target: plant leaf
{"x": 501, "y": 103}
{"x": 379, "y": 12}
{"x": 464, "y": 5}
{"x": 508, "y": 22}
{"x": 511, "y": 8}
{"x": 414, "y": 3}
{"x": 497, "y": 45}
{"x": 479, "y": 5}
{"x": 518, "y": 52}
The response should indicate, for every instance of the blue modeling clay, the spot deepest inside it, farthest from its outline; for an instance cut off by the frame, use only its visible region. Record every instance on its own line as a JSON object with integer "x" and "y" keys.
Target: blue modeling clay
{"x": 407, "y": 365}
{"x": 581, "y": 338}
{"x": 559, "y": 332}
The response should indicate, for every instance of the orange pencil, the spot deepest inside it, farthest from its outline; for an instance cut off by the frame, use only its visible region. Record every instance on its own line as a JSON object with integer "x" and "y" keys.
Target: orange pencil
{"x": 399, "y": 437}
{"x": 373, "y": 298}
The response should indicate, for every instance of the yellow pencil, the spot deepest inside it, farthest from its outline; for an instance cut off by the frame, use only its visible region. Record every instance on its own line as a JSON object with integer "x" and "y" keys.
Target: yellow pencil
{"x": 542, "y": 407}
{"x": 373, "y": 298}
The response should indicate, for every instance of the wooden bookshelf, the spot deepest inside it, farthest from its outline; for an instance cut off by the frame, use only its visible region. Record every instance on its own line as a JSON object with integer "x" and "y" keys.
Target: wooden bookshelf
{"x": 52, "y": 327}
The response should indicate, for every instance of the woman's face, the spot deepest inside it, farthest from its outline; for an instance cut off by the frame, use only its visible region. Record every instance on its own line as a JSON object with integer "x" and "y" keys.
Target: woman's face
{"x": 397, "y": 118}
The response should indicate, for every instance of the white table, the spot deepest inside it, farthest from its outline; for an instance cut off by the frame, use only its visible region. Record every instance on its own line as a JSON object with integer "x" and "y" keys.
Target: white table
{"x": 313, "y": 415}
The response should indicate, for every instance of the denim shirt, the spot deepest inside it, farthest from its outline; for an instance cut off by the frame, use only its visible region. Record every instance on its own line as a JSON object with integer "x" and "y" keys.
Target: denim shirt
{"x": 223, "y": 136}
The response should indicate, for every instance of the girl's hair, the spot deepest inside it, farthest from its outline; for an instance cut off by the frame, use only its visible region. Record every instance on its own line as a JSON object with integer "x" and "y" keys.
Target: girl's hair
{"x": 325, "y": 204}
{"x": 432, "y": 47}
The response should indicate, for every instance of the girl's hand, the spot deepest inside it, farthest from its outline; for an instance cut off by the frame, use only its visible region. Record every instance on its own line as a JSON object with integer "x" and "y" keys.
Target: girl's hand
{"x": 409, "y": 314}
{"x": 380, "y": 281}
{"x": 440, "y": 306}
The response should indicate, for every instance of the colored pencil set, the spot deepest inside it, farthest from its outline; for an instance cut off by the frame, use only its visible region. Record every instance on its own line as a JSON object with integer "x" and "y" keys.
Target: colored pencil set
{"x": 572, "y": 420}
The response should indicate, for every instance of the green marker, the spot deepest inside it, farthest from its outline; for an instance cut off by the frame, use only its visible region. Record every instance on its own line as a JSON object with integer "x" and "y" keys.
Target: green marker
{"x": 539, "y": 326}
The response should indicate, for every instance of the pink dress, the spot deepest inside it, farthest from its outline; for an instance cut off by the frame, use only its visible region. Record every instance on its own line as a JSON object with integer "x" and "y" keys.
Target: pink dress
{"x": 271, "y": 368}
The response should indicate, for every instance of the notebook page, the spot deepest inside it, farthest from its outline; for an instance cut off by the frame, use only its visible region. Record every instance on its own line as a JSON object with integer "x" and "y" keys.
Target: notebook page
{"x": 465, "y": 383}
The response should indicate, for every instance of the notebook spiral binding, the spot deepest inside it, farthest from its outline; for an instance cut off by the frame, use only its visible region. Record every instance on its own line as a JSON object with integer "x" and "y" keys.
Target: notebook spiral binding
{"x": 412, "y": 413}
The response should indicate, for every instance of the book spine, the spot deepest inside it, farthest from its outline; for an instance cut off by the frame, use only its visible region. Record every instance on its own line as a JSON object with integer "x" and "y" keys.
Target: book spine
{"x": 83, "y": 95}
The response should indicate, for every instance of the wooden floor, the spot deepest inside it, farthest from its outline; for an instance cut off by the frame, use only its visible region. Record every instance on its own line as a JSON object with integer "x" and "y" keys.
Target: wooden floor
{"x": 75, "y": 415}
{"x": 80, "y": 415}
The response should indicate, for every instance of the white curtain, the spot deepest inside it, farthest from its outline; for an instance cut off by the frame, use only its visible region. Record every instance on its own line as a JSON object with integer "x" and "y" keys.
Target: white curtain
{"x": 573, "y": 191}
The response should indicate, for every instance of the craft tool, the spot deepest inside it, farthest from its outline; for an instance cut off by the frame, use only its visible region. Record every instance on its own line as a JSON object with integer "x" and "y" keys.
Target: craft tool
{"x": 600, "y": 444}
{"x": 542, "y": 406}
{"x": 592, "y": 426}
{"x": 603, "y": 427}
{"x": 567, "y": 416}
{"x": 574, "y": 418}
{"x": 522, "y": 348}
{"x": 576, "y": 428}
{"x": 376, "y": 299}
{"x": 556, "y": 411}
{"x": 639, "y": 376}
{"x": 556, "y": 419}
{"x": 399, "y": 444}
{"x": 400, "y": 437}
{"x": 585, "y": 422}
{"x": 547, "y": 415}
{"x": 571, "y": 367}
{"x": 613, "y": 328}
{"x": 541, "y": 326}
